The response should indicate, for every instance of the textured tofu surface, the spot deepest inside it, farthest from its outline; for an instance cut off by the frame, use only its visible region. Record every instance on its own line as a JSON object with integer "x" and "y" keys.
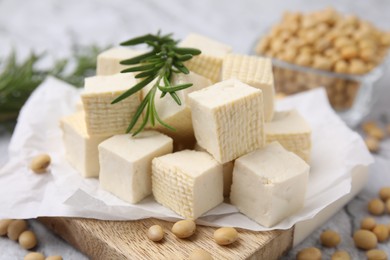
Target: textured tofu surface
{"x": 254, "y": 71}
{"x": 81, "y": 149}
{"x": 108, "y": 62}
{"x": 209, "y": 62}
{"x": 179, "y": 117}
{"x": 101, "y": 116}
{"x": 228, "y": 119}
{"x": 188, "y": 182}
{"x": 292, "y": 131}
{"x": 125, "y": 163}
{"x": 227, "y": 169}
{"x": 269, "y": 184}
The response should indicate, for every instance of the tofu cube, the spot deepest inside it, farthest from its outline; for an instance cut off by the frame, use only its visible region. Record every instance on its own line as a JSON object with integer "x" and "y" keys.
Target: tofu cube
{"x": 228, "y": 119}
{"x": 81, "y": 149}
{"x": 227, "y": 170}
{"x": 292, "y": 131}
{"x": 179, "y": 117}
{"x": 254, "y": 71}
{"x": 209, "y": 62}
{"x": 126, "y": 163}
{"x": 188, "y": 182}
{"x": 102, "y": 117}
{"x": 108, "y": 62}
{"x": 269, "y": 184}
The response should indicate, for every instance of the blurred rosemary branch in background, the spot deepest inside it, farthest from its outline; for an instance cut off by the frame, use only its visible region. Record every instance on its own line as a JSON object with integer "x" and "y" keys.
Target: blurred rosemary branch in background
{"x": 19, "y": 79}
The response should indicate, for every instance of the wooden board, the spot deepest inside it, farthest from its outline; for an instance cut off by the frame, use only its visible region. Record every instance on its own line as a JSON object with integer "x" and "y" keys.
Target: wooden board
{"x": 127, "y": 240}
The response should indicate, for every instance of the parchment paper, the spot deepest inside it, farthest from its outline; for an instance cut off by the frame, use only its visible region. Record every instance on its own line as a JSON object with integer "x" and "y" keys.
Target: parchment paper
{"x": 63, "y": 192}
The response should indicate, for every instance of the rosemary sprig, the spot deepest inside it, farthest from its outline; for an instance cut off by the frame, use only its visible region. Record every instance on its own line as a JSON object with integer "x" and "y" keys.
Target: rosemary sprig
{"x": 155, "y": 66}
{"x": 19, "y": 79}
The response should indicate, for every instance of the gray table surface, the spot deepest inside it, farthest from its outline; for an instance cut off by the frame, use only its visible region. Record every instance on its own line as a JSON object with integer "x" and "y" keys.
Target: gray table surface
{"x": 53, "y": 26}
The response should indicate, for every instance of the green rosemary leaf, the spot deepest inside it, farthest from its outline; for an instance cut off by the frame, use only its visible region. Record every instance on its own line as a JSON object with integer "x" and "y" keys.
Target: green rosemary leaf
{"x": 164, "y": 59}
{"x": 139, "y": 68}
{"x": 174, "y": 88}
{"x": 138, "y": 59}
{"x": 175, "y": 97}
{"x": 139, "y": 40}
{"x": 184, "y": 57}
{"x": 138, "y": 113}
{"x": 183, "y": 50}
{"x": 148, "y": 73}
{"x": 133, "y": 90}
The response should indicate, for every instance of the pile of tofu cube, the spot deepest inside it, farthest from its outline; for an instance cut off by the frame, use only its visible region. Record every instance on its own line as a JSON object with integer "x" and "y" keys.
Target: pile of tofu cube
{"x": 229, "y": 142}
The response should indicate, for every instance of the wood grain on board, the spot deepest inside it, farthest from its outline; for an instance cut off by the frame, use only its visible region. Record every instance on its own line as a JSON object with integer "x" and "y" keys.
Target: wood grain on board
{"x": 127, "y": 240}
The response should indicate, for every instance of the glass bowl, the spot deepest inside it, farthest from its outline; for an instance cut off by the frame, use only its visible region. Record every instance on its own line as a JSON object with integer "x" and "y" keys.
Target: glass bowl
{"x": 352, "y": 96}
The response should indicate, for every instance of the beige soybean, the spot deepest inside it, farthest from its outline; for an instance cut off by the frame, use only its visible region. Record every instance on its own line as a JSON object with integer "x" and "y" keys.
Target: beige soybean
{"x": 54, "y": 257}
{"x": 40, "y": 163}
{"x": 384, "y": 193}
{"x": 381, "y": 232}
{"x": 376, "y": 254}
{"x": 365, "y": 239}
{"x": 341, "y": 255}
{"x": 376, "y": 207}
{"x": 15, "y": 228}
{"x": 330, "y": 238}
{"x": 200, "y": 254}
{"x": 34, "y": 256}
{"x": 4, "y": 223}
{"x": 225, "y": 236}
{"x": 376, "y": 132}
{"x": 310, "y": 253}
{"x": 387, "y": 206}
{"x": 184, "y": 228}
{"x": 155, "y": 233}
{"x": 372, "y": 144}
{"x": 27, "y": 239}
{"x": 368, "y": 223}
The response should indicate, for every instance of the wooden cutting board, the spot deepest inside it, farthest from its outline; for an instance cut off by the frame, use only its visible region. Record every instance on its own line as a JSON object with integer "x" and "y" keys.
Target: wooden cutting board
{"x": 127, "y": 240}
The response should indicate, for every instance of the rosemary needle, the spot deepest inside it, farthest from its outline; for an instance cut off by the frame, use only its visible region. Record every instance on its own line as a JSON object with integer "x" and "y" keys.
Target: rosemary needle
{"x": 157, "y": 66}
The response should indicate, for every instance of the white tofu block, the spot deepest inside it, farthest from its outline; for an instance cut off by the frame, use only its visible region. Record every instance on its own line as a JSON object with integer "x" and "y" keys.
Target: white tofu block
{"x": 254, "y": 71}
{"x": 292, "y": 131}
{"x": 108, "y": 62}
{"x": 101, "y": 116}
{"x": 179, "y": 117}
{"x": 81, "y": 149}
{"x": 269, "y": 184}
{"x": 126, "y": 162}
{"x": 228, "y": 119}
{"x": 227, "y": 170}
{"x": 209, "y": 62}
{"x": 188, "y": 182}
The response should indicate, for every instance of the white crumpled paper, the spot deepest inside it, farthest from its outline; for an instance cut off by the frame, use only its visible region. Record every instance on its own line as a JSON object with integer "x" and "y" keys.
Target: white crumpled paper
{"x": 63, "y": 192}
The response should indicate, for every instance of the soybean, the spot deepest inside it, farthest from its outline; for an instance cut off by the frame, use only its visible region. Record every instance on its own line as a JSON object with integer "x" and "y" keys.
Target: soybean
{"x": 15, "y": 228}
{"x": 341, "y": 255}
{"x": 34, "y": 256}
{"x": 54, "y": 257}
{"x": 368, "y": 223}
{"x": 4, "y": 223}
{"x": 184, "y": 228}
{"x": 40, "y": 163}
{"x": 381, "y": 232}
{"x": 376, "y": 254}
{"x": 200, "y": 254}
{"x": 384, "y": 193}
{"x": 225, "y": 236}
{"x": 155, "y": 233}
{"x": 310, "y": 253}
{"x": 365, "y": 239}
{"x": 27, "y": 239}
{"x": 330, "y": 238}
{"x": 376, "y": 207}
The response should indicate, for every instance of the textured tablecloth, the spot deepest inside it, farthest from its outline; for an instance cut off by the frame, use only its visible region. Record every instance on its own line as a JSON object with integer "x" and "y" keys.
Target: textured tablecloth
{"x": 53, "y": 26}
